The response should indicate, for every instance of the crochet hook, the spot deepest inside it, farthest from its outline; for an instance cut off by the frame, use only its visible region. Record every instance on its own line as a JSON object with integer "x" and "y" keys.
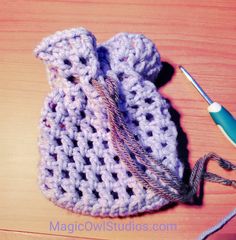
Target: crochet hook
{"x": 220, "y": 115}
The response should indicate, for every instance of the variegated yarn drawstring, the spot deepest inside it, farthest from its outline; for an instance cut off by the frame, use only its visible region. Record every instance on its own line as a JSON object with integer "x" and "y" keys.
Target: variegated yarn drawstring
{"x": 163, "y": 182}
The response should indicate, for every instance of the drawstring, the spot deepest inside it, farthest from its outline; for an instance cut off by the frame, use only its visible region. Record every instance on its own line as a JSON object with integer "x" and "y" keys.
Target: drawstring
{"x": 163, "y": 181}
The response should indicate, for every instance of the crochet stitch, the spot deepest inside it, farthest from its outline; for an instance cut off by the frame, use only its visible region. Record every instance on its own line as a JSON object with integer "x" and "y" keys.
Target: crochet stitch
{"x": 79, "y": 169}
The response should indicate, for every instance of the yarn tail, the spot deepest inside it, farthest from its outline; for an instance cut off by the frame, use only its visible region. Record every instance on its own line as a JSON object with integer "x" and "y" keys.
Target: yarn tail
{"x": 218, "y": 226}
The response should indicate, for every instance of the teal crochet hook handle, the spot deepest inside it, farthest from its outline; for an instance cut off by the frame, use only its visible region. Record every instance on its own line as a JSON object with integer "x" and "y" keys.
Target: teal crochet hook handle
{"x": 224, "y": 120}
{"x": 220, "y": 115}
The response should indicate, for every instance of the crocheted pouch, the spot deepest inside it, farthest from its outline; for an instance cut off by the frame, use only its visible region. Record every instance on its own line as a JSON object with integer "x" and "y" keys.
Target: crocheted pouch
{"x": 107, "y": 144}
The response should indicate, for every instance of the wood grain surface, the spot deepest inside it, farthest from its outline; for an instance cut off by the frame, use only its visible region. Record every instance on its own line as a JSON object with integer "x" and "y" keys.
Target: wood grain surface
{"x": 200, "y": 35}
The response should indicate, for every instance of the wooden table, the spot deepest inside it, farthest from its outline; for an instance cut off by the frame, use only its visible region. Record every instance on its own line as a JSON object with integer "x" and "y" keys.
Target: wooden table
{"x": 201, "y": 35}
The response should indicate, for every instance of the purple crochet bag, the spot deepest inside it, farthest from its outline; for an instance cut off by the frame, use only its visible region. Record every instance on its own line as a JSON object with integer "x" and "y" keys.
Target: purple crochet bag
{"x": 107, "y": 144}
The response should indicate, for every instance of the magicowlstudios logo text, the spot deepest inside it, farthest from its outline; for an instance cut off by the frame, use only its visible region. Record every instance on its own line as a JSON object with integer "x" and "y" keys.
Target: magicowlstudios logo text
{"x": 109, "y": 226}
